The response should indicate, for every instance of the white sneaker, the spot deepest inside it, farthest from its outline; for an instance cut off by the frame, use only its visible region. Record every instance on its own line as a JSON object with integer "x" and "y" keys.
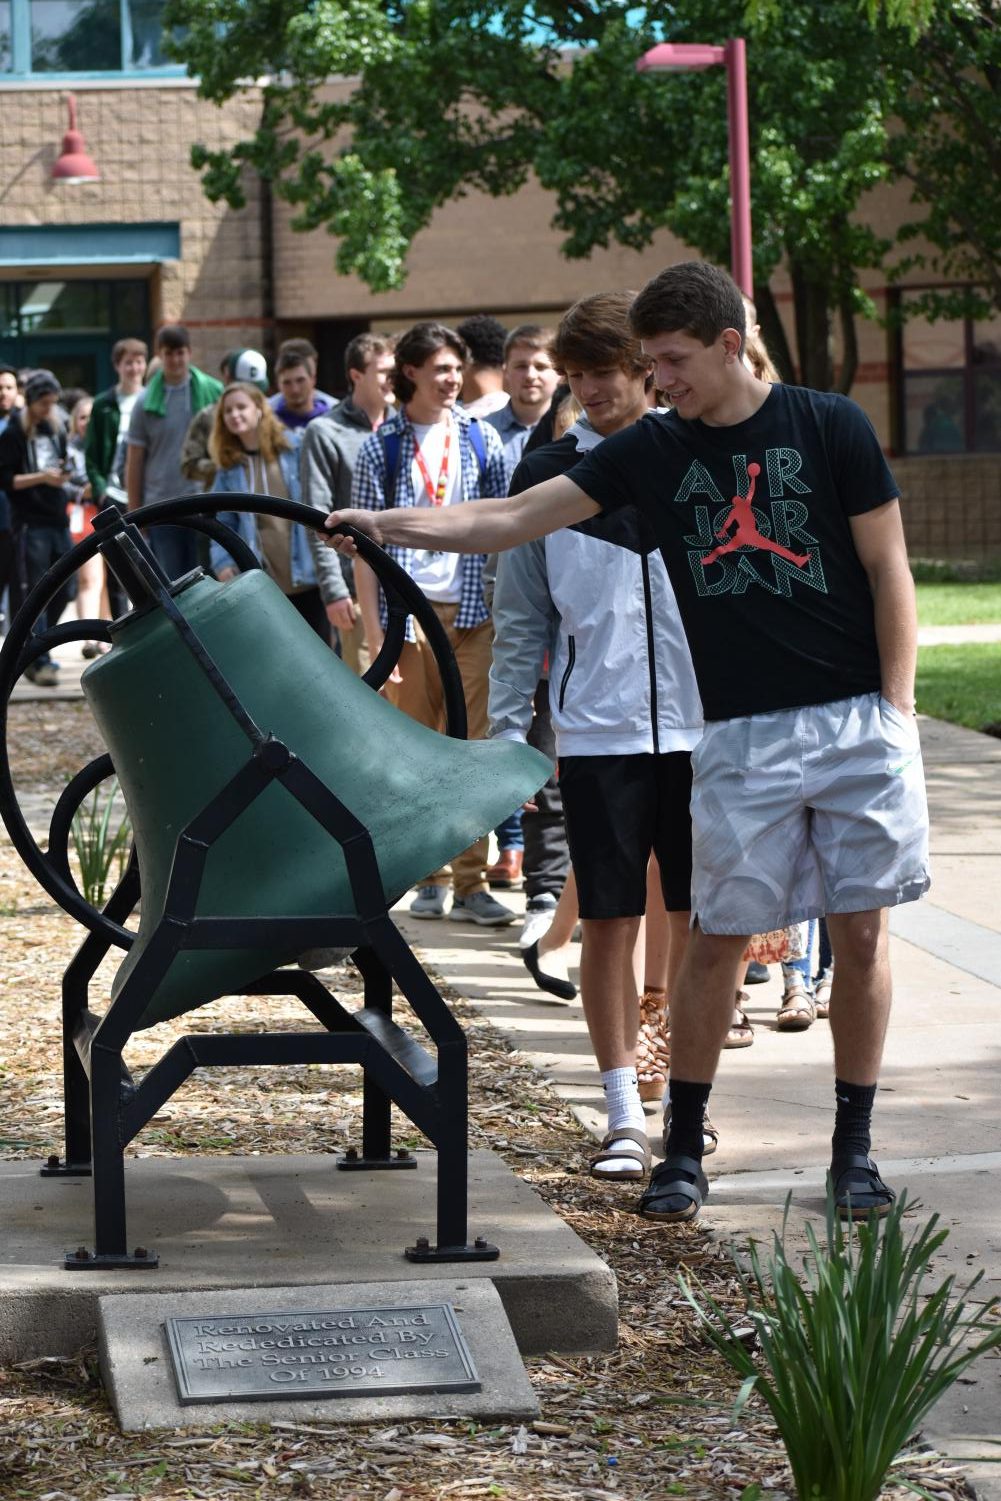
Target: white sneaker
{"x": 539, "y": 916}
{"x": 429, "y": 901}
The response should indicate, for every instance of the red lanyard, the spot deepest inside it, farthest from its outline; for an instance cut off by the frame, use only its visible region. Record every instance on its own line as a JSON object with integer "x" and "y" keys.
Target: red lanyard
{"x": 435, "y": 493}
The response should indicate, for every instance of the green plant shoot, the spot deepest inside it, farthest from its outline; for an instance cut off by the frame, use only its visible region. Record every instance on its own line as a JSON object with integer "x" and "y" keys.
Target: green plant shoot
{"x": 101, "y": 842}
{"x": 854, "y": 1350}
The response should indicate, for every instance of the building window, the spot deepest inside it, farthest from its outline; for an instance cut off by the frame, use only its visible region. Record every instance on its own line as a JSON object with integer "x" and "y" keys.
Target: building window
{"x": 83, "y": 37}
{"x": 70, "y": 326}
{"x": 6, "y": 53}
{"x": 950, "y": 384}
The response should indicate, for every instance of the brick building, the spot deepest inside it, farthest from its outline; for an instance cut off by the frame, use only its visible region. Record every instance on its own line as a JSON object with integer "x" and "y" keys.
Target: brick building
{"x": 82, "y": 264}
{"x": 85, "y": 263}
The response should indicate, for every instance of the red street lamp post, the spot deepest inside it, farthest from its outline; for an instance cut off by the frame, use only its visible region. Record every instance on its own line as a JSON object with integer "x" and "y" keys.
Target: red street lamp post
{"x": 683, "y": 57}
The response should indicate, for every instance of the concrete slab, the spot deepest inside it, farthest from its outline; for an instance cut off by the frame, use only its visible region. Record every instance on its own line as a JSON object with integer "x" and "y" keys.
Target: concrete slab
{"x": 968, "y": 884}
{"x": 139, "y": 1377}
{"x": 231, "y": 1222}
{"x": 964, "y": 944}
{"x": 954, "y": 745}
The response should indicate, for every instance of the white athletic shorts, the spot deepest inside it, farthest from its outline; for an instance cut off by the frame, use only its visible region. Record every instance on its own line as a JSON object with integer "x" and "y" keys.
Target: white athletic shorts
{"x": 807, "y": 811}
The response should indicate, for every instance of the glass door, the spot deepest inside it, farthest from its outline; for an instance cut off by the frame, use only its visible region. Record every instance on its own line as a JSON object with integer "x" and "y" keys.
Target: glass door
{"x": 70, "y": 325}
{"x": 78, "y": 363}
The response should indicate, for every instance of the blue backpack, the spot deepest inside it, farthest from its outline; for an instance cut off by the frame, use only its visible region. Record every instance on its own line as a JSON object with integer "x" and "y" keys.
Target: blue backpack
{"x": 392, "y": 448}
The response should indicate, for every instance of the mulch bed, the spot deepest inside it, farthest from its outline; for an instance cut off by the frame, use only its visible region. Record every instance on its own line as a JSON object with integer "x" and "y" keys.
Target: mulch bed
{"x": 649, "y": 1421}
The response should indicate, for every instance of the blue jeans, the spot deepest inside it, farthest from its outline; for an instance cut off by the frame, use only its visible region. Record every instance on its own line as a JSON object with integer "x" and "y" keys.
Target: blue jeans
{"x": 43, "y": 546}
{"x": 175, "y": 548}
{"x": 802, "y": 967}
{"x": 825, "y": 956}
{"x": 509, "y": 835}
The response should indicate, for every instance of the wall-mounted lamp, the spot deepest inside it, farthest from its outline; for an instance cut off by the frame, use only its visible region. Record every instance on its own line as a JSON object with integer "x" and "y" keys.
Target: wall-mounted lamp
{"x": 74, "y": 165}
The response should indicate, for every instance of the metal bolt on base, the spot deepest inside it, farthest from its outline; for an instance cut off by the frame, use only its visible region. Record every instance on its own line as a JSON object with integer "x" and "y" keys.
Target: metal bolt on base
{"x": 353, "y": 1159}
{"x": 83, "y": 1259}
{"x": 55, "y": 1167}
{"x": 422, "y": 1251}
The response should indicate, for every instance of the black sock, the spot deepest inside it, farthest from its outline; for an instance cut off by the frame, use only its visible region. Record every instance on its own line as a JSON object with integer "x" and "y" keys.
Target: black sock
{"x": 688, "y": 1109}
{"x": 853, "y": 1119}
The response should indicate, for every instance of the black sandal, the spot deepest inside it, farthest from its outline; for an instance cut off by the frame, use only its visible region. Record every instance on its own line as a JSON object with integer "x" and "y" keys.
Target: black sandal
{"x": 566, "y": 990}
{"x": 858, "y": 1189}
{"x": 677, "y": 1177}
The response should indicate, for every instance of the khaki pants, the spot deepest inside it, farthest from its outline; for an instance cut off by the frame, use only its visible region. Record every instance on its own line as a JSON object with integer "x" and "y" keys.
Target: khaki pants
{"x": 354, "y": 648}
{"x": 420, "y": 695}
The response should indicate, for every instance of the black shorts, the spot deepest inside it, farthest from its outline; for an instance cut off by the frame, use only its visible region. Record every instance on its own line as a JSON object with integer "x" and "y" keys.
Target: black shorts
{"x": 618, "y": 810}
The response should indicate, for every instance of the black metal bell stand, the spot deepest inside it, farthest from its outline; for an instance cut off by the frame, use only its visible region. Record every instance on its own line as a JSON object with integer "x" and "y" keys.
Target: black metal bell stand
{"x": 105, "y": 1108}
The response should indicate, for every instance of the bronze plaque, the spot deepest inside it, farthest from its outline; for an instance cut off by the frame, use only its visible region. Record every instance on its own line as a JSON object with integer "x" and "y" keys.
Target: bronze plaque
{"x": 342, "y": 1352}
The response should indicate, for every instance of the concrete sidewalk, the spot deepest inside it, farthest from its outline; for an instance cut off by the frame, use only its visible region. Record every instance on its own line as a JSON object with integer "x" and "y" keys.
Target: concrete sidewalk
{"x": 937, "y": 1129}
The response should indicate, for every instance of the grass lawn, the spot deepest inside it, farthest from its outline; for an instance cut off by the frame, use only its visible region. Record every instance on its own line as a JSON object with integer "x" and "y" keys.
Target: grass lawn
{"x": 959, "y": 604}
{"x": 961, "y": 683}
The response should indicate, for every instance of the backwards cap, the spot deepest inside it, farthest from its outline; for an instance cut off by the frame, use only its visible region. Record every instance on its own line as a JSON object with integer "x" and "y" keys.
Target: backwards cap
{"x": 248, "y": 365}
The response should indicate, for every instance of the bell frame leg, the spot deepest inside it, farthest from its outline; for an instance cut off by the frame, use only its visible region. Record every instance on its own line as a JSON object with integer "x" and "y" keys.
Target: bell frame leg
{"x": 108, "y": 1172}
{"x": 76, "y": 1090}
{"x": 376, "y": 1146}
{"x": 75, "y": 994}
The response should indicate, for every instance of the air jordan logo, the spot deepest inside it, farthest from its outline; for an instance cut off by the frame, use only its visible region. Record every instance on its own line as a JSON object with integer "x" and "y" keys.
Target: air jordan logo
{"x": 745, "y": 530}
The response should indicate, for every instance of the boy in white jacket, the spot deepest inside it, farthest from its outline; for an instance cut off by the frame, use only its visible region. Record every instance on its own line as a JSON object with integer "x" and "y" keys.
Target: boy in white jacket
{"x": 625, "y": 707}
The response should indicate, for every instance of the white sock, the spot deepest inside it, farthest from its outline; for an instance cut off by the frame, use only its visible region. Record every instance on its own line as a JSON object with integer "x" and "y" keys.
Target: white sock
{"x": 625, "y": 1108}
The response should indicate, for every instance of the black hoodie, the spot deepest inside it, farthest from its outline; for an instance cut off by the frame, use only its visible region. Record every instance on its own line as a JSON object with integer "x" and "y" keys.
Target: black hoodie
{"x": 37, "y": 505}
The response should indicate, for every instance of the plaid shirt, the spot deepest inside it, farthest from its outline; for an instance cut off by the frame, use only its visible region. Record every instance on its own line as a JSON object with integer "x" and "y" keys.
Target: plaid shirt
{"x": 513, "y": 434}
{"x": 368, "y": 492}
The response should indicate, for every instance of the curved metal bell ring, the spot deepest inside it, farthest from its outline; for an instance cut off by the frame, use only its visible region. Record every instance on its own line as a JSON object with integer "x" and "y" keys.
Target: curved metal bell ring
{"x": 403, "y": 598}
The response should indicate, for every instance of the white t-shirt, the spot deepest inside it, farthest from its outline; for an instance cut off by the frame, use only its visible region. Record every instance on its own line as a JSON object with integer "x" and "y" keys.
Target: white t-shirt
{"x": 438, "y": 573}
{"x": 116, "y": 479}
{"x": 126, "y": 402}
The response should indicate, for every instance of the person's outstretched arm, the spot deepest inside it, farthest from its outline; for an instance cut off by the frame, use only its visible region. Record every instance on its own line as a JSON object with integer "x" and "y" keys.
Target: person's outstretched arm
{"x": 476, "y": 526}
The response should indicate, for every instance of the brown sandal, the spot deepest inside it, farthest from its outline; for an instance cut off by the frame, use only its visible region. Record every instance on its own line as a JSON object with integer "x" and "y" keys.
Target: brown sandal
{"x": 797, "y": 1010}
{"x": 741, "y": 1033}
{"x": 641, "y": 1156}
{"x": 822, "y": 995}
{"x": 653, "y": 1047}
{"x": 710, "y": 1136}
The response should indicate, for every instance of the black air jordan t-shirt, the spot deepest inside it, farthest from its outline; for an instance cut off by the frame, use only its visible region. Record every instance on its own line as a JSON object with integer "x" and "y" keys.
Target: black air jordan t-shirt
{"x": 752, "y": 522}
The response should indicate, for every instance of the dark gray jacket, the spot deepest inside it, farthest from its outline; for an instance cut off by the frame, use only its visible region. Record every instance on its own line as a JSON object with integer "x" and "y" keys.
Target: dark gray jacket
{"x": 326, "y": 464}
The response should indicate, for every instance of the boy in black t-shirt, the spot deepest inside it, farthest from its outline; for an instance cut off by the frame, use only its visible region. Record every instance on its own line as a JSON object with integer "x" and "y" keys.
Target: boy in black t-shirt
{"x": 778, "y": 521}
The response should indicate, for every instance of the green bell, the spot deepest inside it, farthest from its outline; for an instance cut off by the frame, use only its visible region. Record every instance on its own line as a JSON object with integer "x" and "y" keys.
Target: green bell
{"x": 424, "y": 797}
